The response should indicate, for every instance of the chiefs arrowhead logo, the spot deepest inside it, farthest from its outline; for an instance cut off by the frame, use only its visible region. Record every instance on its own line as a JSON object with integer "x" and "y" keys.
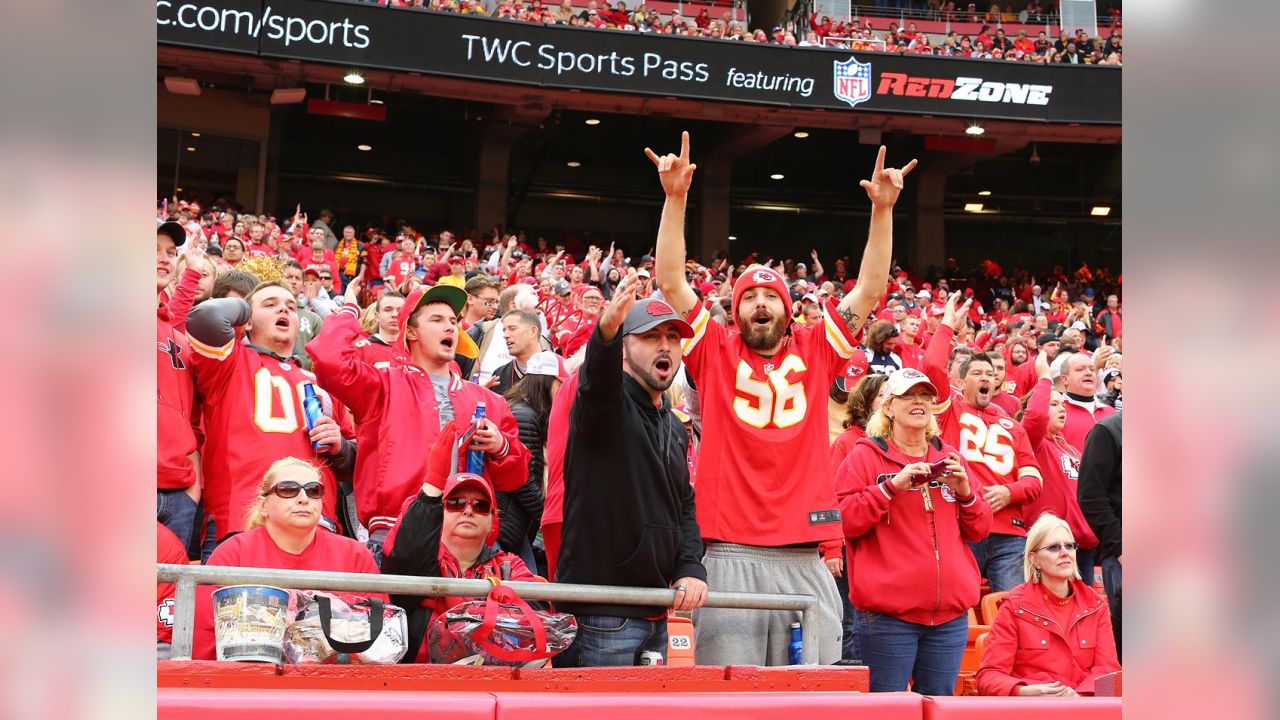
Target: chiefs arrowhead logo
{"x": 764, "y": 276}
{"x": 657, "y": 308}
{"x": 1006, "y": 423}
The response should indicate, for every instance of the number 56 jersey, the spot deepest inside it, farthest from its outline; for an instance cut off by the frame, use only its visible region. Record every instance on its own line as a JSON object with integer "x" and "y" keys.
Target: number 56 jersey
{"x": 764, "y": 473}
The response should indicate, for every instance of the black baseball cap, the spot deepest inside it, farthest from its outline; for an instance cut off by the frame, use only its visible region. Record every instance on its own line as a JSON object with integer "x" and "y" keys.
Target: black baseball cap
{"x": 174, "y": 231}
{"x": 650, "y": 313}
{"x": 1047, "y": 338}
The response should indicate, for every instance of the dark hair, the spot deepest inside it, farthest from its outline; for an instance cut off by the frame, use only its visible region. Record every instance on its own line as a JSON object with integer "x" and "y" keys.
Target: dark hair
{"x": 240, "y": 281}
{"x": 879, "y": 332}
{"x": 860, "y": 400}
{"x": 292, "y": 265}
{"x": 480, "y": 282}
{"x": 534, "y": 391}
{"x": 978, "y": 357}
{"x": 526, "y": 317}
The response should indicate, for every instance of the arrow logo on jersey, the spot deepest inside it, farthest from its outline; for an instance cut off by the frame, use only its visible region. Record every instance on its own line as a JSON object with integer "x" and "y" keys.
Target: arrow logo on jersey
{"x": 174, "y": 351}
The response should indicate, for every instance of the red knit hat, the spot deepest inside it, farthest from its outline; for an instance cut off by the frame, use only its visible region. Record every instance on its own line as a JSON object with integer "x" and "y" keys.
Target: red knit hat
{"x": 760, "y": 276}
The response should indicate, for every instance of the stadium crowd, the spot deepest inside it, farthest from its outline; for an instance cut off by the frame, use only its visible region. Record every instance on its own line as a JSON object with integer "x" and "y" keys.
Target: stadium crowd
{"x": 880, "y": 437}
{"x": 855, "y": 33}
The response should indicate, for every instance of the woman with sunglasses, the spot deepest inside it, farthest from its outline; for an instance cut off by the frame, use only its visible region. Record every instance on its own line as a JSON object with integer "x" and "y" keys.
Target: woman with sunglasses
{"x": 282, "y": 532}
{"x": 1052, "y": 635}
{"x": 449, "y": 529}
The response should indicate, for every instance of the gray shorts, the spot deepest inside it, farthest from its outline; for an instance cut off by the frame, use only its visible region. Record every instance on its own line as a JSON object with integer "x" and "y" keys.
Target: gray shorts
{"x": 727, "y": 636}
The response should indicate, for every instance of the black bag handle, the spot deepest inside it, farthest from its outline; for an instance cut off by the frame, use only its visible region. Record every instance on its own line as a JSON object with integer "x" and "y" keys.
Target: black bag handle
{"x": 376, "y": 608}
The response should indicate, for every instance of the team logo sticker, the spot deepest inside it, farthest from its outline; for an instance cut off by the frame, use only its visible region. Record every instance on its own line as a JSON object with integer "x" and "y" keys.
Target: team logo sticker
{"x": 852, "y": 81}
{"x": 1006, "y": 423}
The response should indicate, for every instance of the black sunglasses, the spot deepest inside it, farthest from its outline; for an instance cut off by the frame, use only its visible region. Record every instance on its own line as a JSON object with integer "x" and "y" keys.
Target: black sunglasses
{"x": 290, "y": 489}
{"x": 480, "y": 506}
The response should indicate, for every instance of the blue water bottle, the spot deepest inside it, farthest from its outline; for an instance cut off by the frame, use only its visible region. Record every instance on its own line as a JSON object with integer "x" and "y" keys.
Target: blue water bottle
{"x": 475, "y": 458}
{"x": 795, "y": 651}
{"x": 311, "y": 409}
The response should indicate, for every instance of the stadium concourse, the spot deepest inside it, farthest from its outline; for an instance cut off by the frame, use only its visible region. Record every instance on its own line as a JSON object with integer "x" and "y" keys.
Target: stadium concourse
{"x": 440, "y": 315}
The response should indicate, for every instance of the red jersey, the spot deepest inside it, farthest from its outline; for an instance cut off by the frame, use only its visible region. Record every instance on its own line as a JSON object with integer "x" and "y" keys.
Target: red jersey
{"x": 253, "y": 416}
{"x": 380, "y": 353}
{"x": 256, "y": 549}
{"x": 1060, "y": 463}
{"x": 994, "y": 445}
{"x": 912, "y": 355}
{"x": 763, "y": 467}
{"x": 169, "y": 550}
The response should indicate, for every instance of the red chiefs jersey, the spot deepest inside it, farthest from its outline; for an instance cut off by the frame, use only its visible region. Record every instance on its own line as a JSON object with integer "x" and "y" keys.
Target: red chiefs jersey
{"x": 995, "y": 446}
{"x": 169, "y": 550}
{"x": 253, "y": 417}
{"x": 380, "y": 353}
{"x": 763, "y": 467}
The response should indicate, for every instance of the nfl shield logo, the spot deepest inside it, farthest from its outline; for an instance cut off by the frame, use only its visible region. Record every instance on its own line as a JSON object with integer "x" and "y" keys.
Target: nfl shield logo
{"x": 852, "y": 81}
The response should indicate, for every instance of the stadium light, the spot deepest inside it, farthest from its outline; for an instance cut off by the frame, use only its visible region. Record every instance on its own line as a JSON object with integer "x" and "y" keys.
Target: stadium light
{"x": 195, "y": 134}
{"x": 592, "y": 121}
{"x": 984, "y": 193}
{"x": 776, "y": 176}
{"x": 182, "y": 86}
{"x": 801, "y": 134}
{"x": 191, "y": 148}
{"x": 574, "y": 164}
{"x": 1100, "y": 211}
{"x": 364, "y": 148}
{"x": 975, "y": 128}
{"x": 353, "y": 78}
{"x": 973, "y": 207}
{"x": 733, "y": 237}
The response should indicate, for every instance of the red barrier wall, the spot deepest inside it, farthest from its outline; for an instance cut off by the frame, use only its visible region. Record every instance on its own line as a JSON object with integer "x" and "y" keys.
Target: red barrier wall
{"x": 1015, "y": 708}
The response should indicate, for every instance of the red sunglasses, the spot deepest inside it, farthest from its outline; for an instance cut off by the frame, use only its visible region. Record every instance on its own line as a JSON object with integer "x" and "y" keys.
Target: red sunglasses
{"x": 479, "y": 506}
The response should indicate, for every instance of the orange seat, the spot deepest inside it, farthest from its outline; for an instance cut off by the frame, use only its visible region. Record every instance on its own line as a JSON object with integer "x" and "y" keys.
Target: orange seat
{"x": 990, "y": 603}
{"x": 679, "y": 641}
{"x": 973, "y": 617}
{"x": 981, "y": 645}
{"x": 971, "y": 654}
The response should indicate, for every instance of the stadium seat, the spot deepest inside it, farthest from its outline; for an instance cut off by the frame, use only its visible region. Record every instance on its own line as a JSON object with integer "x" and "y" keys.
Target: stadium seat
{"x": 973, "y": 617}
{"x": 970, "y": 661}
{"x": 990, "y": 603}
{"x": 679, "y": 641}
{"x": 981, "y": 645}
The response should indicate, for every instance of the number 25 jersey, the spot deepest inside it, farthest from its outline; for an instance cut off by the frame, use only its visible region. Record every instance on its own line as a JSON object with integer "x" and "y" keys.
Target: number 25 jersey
{"x": 764, "y": 474}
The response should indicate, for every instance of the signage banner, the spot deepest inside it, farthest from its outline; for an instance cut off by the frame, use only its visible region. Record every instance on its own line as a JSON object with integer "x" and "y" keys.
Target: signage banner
{"x": 366, "y": 35}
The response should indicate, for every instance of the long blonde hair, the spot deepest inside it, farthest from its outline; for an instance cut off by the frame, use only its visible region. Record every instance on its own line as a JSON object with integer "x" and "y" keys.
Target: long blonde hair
{"x": 369, "y": 319}
{"x": 256, "y": 516}
{"x": 1045, "y": 524}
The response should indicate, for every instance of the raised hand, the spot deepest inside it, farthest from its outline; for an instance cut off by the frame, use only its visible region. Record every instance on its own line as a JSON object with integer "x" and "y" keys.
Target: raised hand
{"x": 885, "y": 183}
{"x": 624, "y": 297}
{"x": 675, "y": 172}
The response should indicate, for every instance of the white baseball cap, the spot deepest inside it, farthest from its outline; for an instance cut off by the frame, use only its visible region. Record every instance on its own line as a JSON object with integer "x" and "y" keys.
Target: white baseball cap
{"x": 900, "y": 381}
{"x": 545, "y": 363}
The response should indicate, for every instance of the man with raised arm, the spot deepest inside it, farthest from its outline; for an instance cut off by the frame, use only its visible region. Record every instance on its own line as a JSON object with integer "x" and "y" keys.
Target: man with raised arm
{"x": 765, "y": 496}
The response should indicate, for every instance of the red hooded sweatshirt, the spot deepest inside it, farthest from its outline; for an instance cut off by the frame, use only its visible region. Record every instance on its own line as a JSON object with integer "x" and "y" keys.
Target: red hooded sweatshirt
{"x": 1059, "y": 465}
{"x": 908, "y": 556}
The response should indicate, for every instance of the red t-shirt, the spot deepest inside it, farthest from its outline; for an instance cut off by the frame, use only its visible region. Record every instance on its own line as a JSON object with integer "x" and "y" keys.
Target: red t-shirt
{"x": 557, "y": 439}
{"x": 256, "y": 549}
{"x": 763, "y": 467}
{"x": 169, "y": 550}
{"x": 253, "y": 416}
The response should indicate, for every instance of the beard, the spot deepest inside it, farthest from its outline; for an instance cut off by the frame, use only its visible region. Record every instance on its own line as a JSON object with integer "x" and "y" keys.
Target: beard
{"x": 762, "y": 338}
{"x": 647, "y": 378}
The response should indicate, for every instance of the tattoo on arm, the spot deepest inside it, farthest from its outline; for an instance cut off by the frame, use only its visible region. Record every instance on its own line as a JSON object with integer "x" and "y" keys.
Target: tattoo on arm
{"x": 850, "y": 317}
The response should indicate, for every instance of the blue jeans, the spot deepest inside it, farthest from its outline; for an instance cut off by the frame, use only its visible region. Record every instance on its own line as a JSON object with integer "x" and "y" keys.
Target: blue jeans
{"x": 1111, "y": 576}
{"x": 1000, "y": 560}
{"x": 605, "y": 641}
{"x": 210, "y": 539}
{"x": 849, "y": 638}
{"x": 177, "y": 511}
{"x": 897, "y": 651}
{"x": 1085, "y": 560}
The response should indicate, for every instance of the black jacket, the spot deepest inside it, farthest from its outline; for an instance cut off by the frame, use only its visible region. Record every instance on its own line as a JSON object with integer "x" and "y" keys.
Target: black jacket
{"x": 522, "y": 509}
{"x": 1100, "y": 485}
{"x": 628, "y": 505}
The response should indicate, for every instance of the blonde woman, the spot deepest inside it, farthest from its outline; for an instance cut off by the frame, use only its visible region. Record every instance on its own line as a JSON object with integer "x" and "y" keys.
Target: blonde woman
{"x": 908, "y": 511}
{"x": 281, "y": 531}
{"x": 1053, "y": 633}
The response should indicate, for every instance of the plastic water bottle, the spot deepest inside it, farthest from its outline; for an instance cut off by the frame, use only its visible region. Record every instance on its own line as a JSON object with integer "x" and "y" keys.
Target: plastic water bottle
{"x": 795, "y": 650}
{"x": 311, "y": 409}
{"x": 475, "y": 458}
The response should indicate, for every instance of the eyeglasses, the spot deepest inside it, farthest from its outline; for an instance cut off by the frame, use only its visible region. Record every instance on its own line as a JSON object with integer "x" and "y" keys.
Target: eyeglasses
{"x": 290, "y": 489}
{"x": 479, "y": 506}
{"x": 489, "y": 303}
{"x": 1059, "y": 547}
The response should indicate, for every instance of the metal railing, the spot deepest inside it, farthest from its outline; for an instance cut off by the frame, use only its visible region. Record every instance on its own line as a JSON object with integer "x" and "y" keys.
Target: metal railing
{"x": 186, "y": 577}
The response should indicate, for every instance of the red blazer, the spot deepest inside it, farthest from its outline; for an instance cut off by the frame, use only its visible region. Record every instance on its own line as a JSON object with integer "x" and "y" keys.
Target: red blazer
{"x": 1027, "y": 646}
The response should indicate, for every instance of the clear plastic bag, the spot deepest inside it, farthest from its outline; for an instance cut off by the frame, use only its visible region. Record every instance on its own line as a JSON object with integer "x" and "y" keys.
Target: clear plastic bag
{"x": 340, "y": 630}
{"x": 499, "y": 630}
